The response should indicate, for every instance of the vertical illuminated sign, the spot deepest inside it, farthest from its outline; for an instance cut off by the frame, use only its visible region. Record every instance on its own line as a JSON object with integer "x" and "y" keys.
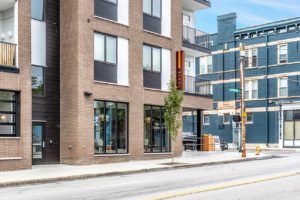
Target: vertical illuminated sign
{"x": 180, "y": 70}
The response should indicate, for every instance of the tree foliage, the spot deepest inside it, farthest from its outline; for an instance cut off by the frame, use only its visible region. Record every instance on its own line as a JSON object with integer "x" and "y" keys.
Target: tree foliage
{"x": 173, "y": 108}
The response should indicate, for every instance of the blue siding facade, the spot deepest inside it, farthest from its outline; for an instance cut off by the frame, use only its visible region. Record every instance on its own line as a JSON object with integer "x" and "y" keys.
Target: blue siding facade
{"x": 265, "y": 39}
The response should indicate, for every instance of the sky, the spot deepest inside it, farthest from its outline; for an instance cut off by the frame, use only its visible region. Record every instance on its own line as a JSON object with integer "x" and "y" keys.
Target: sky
{"x": 249, "y": 12}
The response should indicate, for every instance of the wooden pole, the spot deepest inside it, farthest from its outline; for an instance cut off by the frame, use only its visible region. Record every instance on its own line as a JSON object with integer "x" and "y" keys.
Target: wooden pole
{"x": 242, "y": 83}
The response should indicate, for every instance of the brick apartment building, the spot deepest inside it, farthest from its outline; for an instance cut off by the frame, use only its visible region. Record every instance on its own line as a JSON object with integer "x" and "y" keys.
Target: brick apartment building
{"x": 272, "y": 87}
{"x": 83, "y": 82}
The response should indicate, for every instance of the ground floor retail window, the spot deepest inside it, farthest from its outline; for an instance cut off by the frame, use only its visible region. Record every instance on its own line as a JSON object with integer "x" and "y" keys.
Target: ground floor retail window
{"x": 156, "y": 139}
{"x": 9, "y": 113}
{"x": 110, "y": 127}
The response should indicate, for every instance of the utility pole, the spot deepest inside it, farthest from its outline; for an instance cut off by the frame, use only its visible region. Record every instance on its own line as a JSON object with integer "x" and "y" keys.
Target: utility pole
{"x": 242, "y": 104}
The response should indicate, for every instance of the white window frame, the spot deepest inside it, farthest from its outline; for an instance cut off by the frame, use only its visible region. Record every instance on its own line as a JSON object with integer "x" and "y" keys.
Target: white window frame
{"x": 250, "y": 56}
{"x": 152, "y": 58}
{"x": 187, "y": 63}
{"x": 278, "y": 53}
{"x": 224, "y": 118}
{"x": 249, "y": 122}
{"x": 206, "y": 65}
{"x": 278, "y": 86}
{"x": 105, "y": 49}
{"x": 251, "y": 89}
{"x": 207, "y": 88}
{"x": 152, "y": 10}
{"x": 206, "y": 124}
{"x": 186, "y": 16}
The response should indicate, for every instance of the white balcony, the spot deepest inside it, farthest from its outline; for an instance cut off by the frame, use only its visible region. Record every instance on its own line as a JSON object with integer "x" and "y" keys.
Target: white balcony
{"x": 8, "y": 32}
{"x": 195, "y": 5}
{"x": 194, "y": 42}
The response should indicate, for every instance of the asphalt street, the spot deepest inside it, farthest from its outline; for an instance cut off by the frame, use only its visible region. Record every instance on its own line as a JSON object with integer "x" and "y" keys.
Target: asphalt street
{"x": 168, "y": 183}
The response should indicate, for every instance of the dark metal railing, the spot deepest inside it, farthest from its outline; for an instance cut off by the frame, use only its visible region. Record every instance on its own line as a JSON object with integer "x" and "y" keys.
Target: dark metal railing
{"x": 195, "y": 37}
{"x": 189, "y": 84}
{"x": 198, "y": 144}
{"x": 8, "y": 54}
{"x": 196, "y": 85}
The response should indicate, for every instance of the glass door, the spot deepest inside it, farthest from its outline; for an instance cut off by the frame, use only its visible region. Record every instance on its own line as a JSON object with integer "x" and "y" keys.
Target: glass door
{"x": 291, "y": 128}
{"x": 38, "y": 143}
{"x": 297, "y": 128}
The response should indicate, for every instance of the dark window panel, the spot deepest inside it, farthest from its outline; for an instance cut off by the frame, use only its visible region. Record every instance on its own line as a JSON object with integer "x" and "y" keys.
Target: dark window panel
{"x": 106, "y": 9}
{"x": 9, "y": 114}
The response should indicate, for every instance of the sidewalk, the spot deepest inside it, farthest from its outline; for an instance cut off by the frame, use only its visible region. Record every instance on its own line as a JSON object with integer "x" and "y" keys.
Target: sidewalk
{"x": 59, "y": 172}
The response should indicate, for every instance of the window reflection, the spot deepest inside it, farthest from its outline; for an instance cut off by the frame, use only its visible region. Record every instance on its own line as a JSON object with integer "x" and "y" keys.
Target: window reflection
{"x": 111, "y": 127}
{"x": 156, "y": 138}
{"x": 37, "y": 9}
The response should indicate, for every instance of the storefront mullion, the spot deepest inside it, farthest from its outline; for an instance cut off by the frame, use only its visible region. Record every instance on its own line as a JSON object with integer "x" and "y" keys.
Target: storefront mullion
{"x": 111, "y": 130}
{"x": 156, "y": 129}
{"x": 161, "y": 135}
{"x": 116, "y": 130}
{"x": 104, "y": 134}
{"x": 151, "y": 128}
{"x": 156, "y": 139}
{"x": 122, "y": 124}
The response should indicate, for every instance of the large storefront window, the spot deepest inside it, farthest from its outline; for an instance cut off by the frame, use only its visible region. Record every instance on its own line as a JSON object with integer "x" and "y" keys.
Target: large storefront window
{"x": 156, "y": 139}
{"x": 291, "y": 128}
{"x": 110, "y": 127}
{"x": 8, "y": 114}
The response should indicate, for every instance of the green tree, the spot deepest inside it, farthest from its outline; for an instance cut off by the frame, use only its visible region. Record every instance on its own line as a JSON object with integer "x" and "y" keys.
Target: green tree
{"x": 172, "y": 112}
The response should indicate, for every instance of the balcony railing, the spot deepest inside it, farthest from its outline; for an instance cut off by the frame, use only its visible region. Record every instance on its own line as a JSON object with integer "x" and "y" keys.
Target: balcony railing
{"x": 196, "y": 85}
{"x": 8, "y": 54}
{"x": 195, "y": 37}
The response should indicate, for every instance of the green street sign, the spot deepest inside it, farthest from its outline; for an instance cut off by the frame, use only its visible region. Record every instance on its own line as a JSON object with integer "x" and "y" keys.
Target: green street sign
{"x": 235, "y": 90}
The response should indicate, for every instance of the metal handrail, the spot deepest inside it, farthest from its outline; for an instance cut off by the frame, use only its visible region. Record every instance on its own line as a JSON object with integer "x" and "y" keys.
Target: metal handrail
{"x": 195, "y": 144}
{"x": 8, "y": 54}
{"x": 193, "y": 36}
{"x": 196, "y": 85}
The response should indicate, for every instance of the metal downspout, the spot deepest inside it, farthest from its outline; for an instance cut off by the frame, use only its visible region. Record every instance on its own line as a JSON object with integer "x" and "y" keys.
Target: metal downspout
{"x": 267, "y": 90}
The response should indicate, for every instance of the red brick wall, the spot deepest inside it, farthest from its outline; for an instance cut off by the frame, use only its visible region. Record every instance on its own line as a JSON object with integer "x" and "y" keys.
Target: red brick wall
{"x": 15, "y": 153}
{"x": 77, "y": 76}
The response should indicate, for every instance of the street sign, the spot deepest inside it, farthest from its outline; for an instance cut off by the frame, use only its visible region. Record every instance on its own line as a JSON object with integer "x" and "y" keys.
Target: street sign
{"x": 236, "y": 90}
{"x": 244, "y": 114}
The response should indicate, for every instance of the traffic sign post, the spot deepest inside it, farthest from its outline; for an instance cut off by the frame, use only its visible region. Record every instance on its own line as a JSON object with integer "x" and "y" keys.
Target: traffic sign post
{"x": 242, "y": 104}
{"x": 236, "y": 90}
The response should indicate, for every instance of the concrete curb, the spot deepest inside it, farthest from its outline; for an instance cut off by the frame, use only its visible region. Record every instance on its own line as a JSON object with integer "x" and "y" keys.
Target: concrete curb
{"x": 253, "y": 149}
{"x": 85, "y": 176}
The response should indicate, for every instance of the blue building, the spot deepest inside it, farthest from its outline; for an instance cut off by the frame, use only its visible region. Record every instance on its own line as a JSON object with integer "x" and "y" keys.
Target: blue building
{"x": 272, "y": 86}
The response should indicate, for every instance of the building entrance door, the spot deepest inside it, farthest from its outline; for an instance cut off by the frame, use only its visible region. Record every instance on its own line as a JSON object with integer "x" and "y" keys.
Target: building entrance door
{"x": 291, "y": 128}
{"x": 38, "y": 143}
{"x": 192, "y": 128}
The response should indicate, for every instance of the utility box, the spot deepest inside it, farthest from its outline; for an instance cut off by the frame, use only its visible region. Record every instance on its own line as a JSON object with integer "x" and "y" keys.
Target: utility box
{"x": 236, "y": 135}
{"x": 208, "y": 142}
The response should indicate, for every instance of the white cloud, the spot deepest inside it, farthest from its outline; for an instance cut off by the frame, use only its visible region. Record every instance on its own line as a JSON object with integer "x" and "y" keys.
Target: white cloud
{"x": 245, "y": 14}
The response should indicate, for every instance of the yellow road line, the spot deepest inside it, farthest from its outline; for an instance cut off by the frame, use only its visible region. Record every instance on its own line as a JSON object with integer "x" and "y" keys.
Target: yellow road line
{"x": 189, "y": 192}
